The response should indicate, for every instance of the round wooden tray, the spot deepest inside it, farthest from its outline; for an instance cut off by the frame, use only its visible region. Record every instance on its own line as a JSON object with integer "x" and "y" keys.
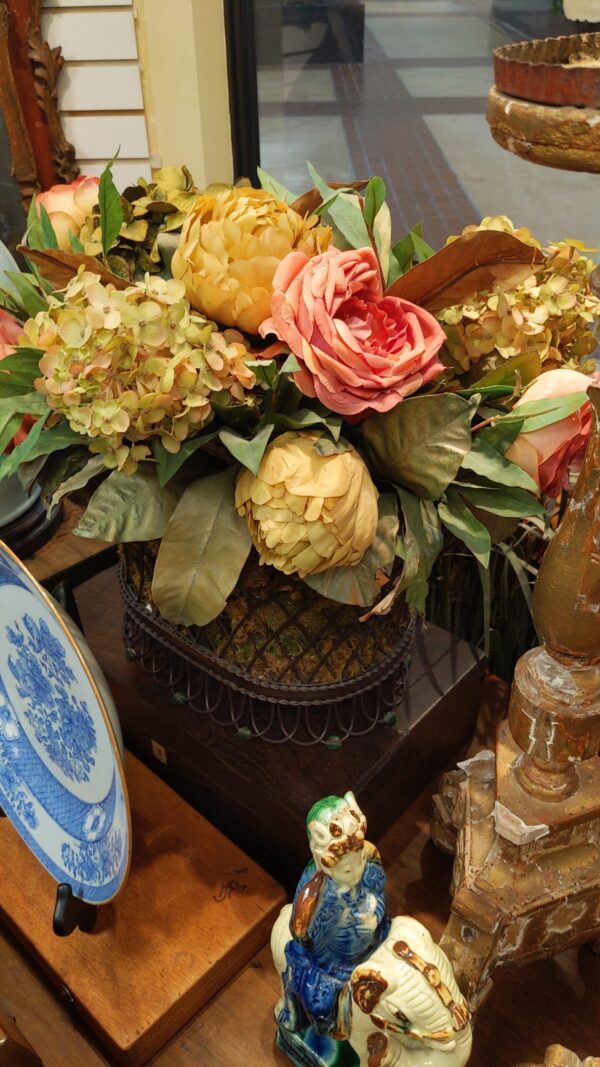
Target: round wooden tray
{"x": 567, "y": 138}
{"x": 556, "y": 70}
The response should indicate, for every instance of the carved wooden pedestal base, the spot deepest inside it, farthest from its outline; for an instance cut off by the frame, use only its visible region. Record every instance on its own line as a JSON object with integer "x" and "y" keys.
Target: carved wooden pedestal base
{"x": 522, "y": 889}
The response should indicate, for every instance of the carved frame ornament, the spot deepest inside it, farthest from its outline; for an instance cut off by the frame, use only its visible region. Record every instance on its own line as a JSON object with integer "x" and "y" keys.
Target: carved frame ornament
{"x": 41, "y": 154}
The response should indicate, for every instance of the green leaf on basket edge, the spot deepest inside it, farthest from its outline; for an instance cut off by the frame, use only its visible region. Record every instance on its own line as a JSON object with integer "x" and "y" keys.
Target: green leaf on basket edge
{"x": 358, "y": 585}
{"x": 421, "y": 443}
{"x": 374, "y": 196}
{"x": 129, "y": 507}
{"x": 202, "y": 553}
{"x": 462, "y": 523}
{"x": 344, "y": 213}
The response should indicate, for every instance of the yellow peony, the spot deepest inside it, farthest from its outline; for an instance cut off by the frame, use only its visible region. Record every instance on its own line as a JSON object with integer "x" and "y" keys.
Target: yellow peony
{"x": 231, "y": 245}
{"x": 310, "y": 507}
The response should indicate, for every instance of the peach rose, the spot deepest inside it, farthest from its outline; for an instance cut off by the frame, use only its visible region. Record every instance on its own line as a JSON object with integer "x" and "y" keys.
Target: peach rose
{"x": 10, "y": 330}
{"x": 360, "y": 351}
{"x": 68, "y": 206}
{"x": 550, "y": 453}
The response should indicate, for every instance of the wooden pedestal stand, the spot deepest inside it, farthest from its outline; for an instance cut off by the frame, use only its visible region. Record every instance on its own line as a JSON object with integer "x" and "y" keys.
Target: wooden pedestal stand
{"x": 527, "y": 873}
{"x": 193, "y": 913}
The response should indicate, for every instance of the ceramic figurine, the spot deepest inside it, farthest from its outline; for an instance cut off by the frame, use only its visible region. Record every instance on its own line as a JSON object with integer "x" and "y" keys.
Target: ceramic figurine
{"x": 359, "y": 988}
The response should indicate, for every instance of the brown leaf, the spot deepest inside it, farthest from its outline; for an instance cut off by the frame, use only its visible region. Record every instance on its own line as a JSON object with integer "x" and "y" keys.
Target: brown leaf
{"x": 307, "y": 202}
{"x": 472, "y": 264}
{"x": 59, "y": 267}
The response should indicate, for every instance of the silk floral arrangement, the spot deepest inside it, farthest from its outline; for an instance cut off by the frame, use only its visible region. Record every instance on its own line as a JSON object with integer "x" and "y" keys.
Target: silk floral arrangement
{"x": 240, "y": 369}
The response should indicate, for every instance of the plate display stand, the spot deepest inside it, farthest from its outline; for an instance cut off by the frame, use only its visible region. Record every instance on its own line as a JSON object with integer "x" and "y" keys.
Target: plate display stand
{"x": 194, "y": 911}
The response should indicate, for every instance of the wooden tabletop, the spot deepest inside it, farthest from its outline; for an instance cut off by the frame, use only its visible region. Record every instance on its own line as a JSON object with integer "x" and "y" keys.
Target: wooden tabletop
{"x": 557, "y": 1001}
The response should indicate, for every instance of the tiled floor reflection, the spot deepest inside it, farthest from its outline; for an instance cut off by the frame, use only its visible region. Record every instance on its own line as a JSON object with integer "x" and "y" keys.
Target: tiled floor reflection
{"x": 413, "y": 111}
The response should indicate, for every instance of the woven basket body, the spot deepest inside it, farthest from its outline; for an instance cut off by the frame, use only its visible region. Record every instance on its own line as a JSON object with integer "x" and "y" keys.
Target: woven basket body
{"x": 280, "y": 662}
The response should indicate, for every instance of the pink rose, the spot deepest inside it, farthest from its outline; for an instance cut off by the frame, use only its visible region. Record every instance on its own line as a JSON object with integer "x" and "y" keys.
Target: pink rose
{"x": 10, "y": 330}
{"x": 360, "y": 351}
{"x": 550, "y": 453}
{"x": 68, "y": 206}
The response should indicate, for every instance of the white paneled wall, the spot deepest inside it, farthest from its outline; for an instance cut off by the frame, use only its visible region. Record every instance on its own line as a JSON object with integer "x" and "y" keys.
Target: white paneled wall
{"x": 100, "y": 91}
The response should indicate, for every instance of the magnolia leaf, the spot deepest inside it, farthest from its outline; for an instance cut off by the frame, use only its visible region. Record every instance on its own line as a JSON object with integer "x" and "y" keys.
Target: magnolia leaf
{"x": 202, "y": 553}
{"x": 420, "y": 443}
{"x": 358, "y": 585}
{"x": 75, "y": 481}
{"x": 480, "y": 262}
{"x": 536, "y": 414}
{"x": 505, "y": 501}
{"x": 273, "y": 186}
{"x": 47, "y": 229}
{"x": 128, "y": 507}
{"x": 248, "y": 452}
{"x": 59, "y": 267}
{"x": 374, "y": 199}
{"x": 169, "y": 463}
{"x": 111, "y": 208}
{"x": 461, "y": 522}
{"x": 50, "y": 471}
{"x": 484, "y": 460}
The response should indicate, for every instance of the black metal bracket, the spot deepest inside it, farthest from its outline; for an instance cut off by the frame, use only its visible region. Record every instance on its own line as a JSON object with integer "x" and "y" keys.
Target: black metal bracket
{"x": 71, "y": 913}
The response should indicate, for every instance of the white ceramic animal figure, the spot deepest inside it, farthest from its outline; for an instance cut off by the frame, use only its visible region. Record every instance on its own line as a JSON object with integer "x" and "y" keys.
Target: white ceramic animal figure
{"x": 403, "y": 1005}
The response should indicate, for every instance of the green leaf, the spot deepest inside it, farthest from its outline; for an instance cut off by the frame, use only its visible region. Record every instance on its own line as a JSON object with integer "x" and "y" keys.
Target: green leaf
{"x": 460, "y": 521}
{"x": 202, "y": 553}
{"x": 265, "y": 370}
{"x": 77, "y": 480}
{"x": 291, "y": 365}
{"x": 128, "y": 507}
{"x": 111, "y": 208}
{"x": 248, "y": 452}
{"x": 24, "y": 404}
{"x": 26, "y": 450}
{"x": 30, "y": 297}
{"x": 357, "y": 585}
{"x": 344, "y": 213}
{"x": 169, "y": 463}
{"x": 421, "y": 544}
{"x": 34, "y": 237}
{"x": 75, "y": 243}
{"x": 536, "y": 414}
{"x": 519, "y": 569}
{"x": 374, "y": 198}
{"x": 484, "y": 460}
{"x": 42, "y": 444}
{"x": 273, "y": 186}
{"x": 47, "y": 229}
{"x": 9, "y": 425}
{"x": 501, "y": 436}
{"x": 420, "y": 443}
{"x": 423, "y": 251}
{"x": 507, "y": 502}
{"x": 303, "y": 420}
{"x": 527, "y": 366}
{"x": 486, "y": 589}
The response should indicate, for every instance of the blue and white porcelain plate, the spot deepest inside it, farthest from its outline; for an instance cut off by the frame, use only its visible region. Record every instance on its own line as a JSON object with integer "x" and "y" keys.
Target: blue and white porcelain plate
{"x": 62, "y": 782}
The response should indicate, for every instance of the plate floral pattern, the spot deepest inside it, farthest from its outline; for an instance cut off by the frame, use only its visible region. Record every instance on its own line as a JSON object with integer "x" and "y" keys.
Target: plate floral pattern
{"x": 61, "y": 778}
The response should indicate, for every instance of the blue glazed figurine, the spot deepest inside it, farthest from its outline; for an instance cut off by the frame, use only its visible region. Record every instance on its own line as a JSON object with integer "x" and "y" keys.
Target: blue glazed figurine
{"x": 358, "y": 988}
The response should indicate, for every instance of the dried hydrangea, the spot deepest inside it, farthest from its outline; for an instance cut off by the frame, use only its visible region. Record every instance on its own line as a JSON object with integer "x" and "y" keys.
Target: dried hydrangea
{"x": 550, "y": 313}
{"x": 123, "y": 366}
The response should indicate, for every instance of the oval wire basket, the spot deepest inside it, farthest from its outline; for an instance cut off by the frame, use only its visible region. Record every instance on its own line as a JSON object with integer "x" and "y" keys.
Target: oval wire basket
{"x": 314, "y": 674}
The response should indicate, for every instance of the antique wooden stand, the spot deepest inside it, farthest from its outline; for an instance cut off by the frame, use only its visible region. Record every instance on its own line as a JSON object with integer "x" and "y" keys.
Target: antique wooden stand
{"x": 527, "y": 872}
